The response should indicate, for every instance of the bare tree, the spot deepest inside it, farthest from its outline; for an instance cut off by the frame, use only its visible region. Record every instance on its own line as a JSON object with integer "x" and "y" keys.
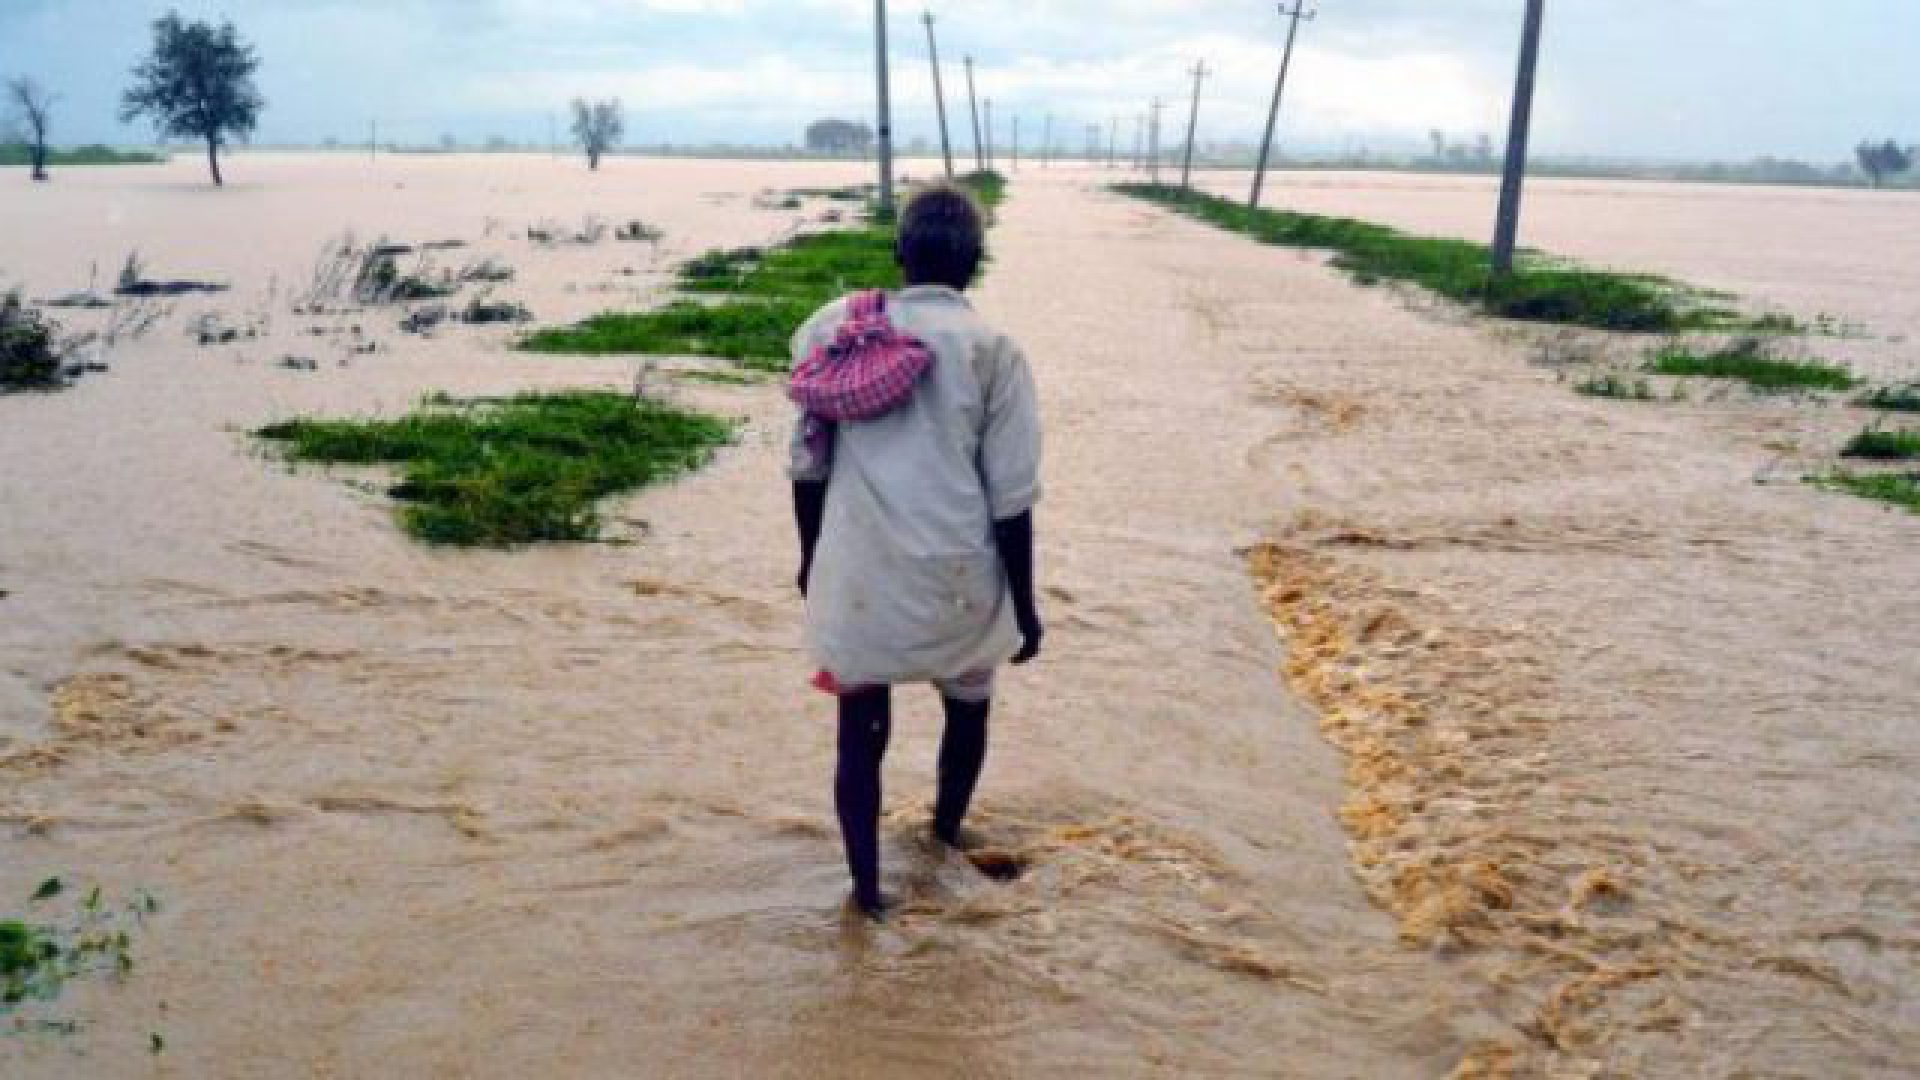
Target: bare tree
{"x": 598, "y": 126}
{"x": 33, "y": 109}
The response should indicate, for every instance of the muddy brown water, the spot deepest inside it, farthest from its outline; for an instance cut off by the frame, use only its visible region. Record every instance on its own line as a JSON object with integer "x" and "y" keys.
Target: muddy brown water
{"x": 1578, "y": 751}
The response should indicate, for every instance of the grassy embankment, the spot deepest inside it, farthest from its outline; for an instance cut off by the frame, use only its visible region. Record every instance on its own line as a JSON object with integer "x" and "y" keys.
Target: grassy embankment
{"x": 744, "y": 305}
{"x": 19, "y": 155}
{"x": 518, "y": 470}
{"x": 1539, "y": 290}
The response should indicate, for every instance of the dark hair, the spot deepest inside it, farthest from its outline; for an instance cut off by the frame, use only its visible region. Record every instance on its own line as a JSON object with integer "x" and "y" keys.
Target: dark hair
{"x": 942, "y": 238}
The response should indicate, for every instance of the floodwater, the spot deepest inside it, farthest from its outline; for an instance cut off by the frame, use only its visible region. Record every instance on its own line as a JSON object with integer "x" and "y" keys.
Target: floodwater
{"x": 1577, "y": 751}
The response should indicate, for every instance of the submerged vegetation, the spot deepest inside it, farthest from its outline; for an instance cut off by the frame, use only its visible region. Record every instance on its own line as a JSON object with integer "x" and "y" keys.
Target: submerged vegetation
{"x": 1880, "y": 444}
{"x": 38, "y": 959}
{"x": 1615, "y": 386}
{"x": 1893, "y": 399}
{"x": 1748, "y": 360}
{"x": 751, "y": 300}
{"x": 519, "y": 470}
{"x": 29, "y": 355}
{"x": 1539, "y": 290}
{"x": 1900, "y": 489}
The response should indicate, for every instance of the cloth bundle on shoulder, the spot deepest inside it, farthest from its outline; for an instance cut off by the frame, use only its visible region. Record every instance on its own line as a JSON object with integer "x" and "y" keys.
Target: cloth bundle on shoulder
{"x": 868, "y": 370}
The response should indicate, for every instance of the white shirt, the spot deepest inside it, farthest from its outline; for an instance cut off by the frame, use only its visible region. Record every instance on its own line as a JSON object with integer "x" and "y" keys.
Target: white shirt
{"x": 907, "y": 584}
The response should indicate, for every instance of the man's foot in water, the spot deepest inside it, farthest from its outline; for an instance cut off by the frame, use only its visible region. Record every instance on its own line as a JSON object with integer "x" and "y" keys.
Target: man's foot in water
{"x": 958, "y": 837}
{"x": 875, "y": 907}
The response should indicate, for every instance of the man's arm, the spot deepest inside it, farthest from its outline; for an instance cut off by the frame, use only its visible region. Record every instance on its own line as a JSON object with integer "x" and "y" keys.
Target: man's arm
{"x": 809, "y": 509}
{"x": 1014, "y": 538}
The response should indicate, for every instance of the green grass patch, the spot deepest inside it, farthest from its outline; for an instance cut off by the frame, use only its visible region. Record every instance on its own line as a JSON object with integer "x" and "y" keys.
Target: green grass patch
{"x": 1879, "y": 444}
{"x": 1900, "y": 489}
{"x": 520, "y": 470}
{"x": 1539, "y": 290}
{"x": 745, "y": 303}
{"x": 1748, "y": 360}
{"x": 722, "y": 376}
{"x": 1617, "y": 387}
{"x": 14, "y": 154}
{"x": 1893, "y": 399}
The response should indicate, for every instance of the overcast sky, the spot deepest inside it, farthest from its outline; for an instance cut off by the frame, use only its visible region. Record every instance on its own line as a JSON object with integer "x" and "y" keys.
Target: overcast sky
{"x": 1635, "y": 78}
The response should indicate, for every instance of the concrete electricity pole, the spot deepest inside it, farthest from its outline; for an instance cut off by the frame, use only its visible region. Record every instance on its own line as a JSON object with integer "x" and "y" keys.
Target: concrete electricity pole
{"x": 1297, "y": 15}
{"x": 1046, "y": 145}
{"x": 973, "y": 103}
{"x": 1193, "y": 125}
{"x": 939, "y": 95}
{"x": 1506, "y": 231}
{"x": 886, "y": 109}
{"x": 989, "y": 133}
{"x": 1139, "y": 142}
{"x": 1113, "y": 142}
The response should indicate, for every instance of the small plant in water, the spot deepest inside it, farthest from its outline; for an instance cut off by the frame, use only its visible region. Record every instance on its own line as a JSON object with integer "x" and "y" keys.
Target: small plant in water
{"x": 1879, "y": 444}
{"x": 1893, "y": 399}
{"x": 38, "y": 958}
{"x": 29, "y": 356}
{"x": 1615, "y": 386}
{"x": 1749, "y": 360}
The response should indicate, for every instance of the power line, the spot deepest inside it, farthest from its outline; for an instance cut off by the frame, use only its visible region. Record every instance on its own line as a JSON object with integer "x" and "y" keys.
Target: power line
{"x": 1298, "y": 15}
{"x": 1506, "y": 230}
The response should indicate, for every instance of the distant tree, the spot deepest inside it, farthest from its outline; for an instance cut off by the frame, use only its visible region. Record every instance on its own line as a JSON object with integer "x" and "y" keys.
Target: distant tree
{"x": 196, "y": 84}
{"x": 1881, "y": 160}
{"x": 598, "y": 126}
{"x": 33, "y": 111}
{"x": 1483, "y": 148}
{"x": 836, "y": 136}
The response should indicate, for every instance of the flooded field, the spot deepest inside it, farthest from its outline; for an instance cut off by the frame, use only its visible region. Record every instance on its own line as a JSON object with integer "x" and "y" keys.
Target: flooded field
{"x": 1404, "y": 712}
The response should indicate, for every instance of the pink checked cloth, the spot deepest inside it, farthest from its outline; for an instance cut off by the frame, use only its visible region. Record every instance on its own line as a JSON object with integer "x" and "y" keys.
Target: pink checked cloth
{"x": 868, "y": 370}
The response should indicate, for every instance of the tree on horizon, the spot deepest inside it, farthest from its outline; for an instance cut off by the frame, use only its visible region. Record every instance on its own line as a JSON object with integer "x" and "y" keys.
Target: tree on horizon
{"x": 196, "y": 84}
{"x": 1880, "y": 160}
{"x": 598, "y": 126}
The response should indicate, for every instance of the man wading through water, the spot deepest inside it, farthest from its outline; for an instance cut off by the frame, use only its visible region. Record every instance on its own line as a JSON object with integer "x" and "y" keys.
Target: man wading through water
{"x": 915, "y": 470}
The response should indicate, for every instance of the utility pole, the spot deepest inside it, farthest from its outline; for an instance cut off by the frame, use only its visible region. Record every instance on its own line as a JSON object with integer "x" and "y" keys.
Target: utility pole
{"x": 1113, "y": 142}
{"x": 1153, "y": 140}
{"x": 1507, "y": 228}
{"x": 1016, "y": 142}
{"x": 973, "y": 103}
{"x": 1193, "y": 124}
{"x": 1046, "y": 145}
{"x": 989, "y": 133}
{"x": 373, "y": 139}
{"x": 1297, "y": 15}
{"x": 1139, "y": 142}
{"x": 886, "y": 109}
{"x": 939, "y": 94}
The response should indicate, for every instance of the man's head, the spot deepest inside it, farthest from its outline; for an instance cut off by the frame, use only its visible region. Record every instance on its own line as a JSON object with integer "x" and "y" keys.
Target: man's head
{"x": 942, "y": 238}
